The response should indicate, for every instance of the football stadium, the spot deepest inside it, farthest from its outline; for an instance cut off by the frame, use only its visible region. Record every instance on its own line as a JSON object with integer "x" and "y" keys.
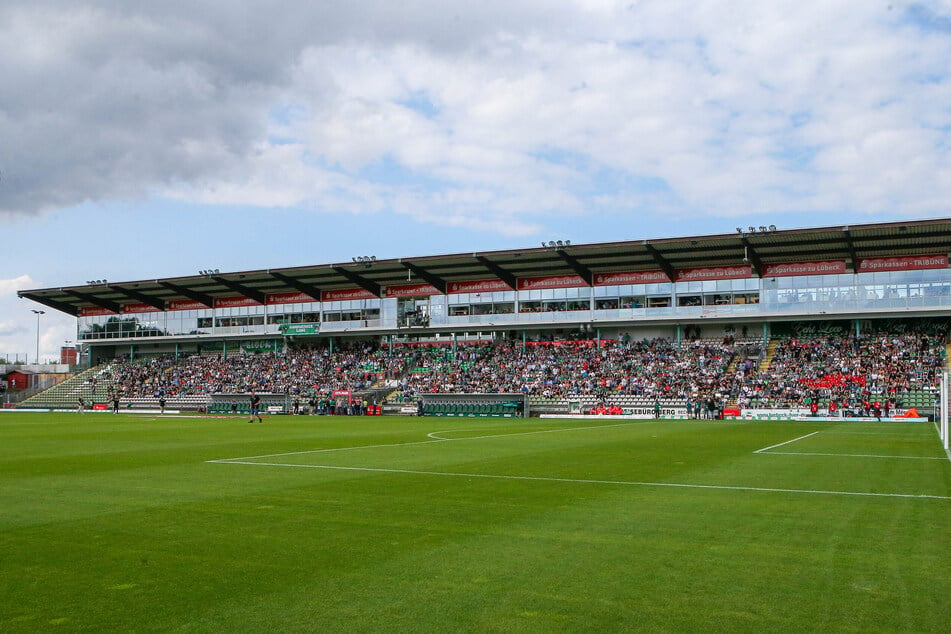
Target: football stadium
{"x": 735, "y": 432}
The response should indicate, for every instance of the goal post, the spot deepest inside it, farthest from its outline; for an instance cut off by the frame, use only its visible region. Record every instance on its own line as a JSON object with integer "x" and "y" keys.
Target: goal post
{"x": 943, "y": 429}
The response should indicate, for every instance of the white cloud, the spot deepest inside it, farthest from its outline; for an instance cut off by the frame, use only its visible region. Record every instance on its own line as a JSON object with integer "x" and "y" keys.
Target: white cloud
{"x": 491, "y": 117}
{"x": 18, "y": 324}
{"x": 8, "y": 328}
{"x": 11, "y": 286}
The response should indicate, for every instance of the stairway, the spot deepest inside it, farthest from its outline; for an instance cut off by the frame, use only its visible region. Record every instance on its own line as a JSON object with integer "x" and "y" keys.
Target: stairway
{"x": 66, "y": 393}
{"x": 770, "y": 353}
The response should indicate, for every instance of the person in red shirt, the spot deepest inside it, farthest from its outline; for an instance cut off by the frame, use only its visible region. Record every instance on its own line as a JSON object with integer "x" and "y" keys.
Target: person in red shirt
{"x": 833, "y": 406}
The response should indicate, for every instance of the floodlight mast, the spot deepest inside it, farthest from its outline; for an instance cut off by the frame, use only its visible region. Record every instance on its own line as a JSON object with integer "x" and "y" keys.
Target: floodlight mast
{"x": 38, "y": 313}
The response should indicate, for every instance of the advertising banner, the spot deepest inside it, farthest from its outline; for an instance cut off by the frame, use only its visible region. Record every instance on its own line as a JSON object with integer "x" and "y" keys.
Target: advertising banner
{"x": 630, "y": 277}
{"x": 289, "y": 330}
{"x": 234, "y": 302}
{"x": 410, "y": 290}
{"x": 804, "y": 413}
{"x": 906, "y": 263}
{"x": 559, "y": 281}
{"x": 140, "y": 308}
{"x": 477, "y": 286}
{"x": 773, "y": 414}
{"x": 585, "y": 343}
{"x": 790, "y": 269}
{"x": 94, "y": 311}
{"x": 347, "y": 294}
{"x": 342, "y": 394}
{"x": 714, "y": 273}
{"x": 186, "y": 304}
{"x": 648, "y": 412}
{"x": 289, "y": 298}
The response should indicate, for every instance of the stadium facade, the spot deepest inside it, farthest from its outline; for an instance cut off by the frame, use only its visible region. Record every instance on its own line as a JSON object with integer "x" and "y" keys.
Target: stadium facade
{"x": 754, "y": 282}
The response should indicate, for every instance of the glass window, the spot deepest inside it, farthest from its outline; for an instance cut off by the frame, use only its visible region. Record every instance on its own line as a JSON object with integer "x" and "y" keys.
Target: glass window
{"x": 633, "y": 301}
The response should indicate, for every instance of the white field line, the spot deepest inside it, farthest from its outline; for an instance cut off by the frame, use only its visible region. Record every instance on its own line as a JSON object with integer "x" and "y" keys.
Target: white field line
{"x": 434, "y": 438}
{"x": 527, "y": 433}
{"x": 309, "y": 451}
{"x": 785, "y": 443}
{"x": 766, "y": 450}
{"x": 888, "y": 434}
{"x": 585, "y": 481}
{"x": 849, "y": 455}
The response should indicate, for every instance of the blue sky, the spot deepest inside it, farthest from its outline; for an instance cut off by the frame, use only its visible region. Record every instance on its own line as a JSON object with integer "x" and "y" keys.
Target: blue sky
{"x": 141, "y": 141}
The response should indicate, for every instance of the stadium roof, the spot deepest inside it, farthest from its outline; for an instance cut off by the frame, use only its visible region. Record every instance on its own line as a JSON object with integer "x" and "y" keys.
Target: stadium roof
{"x": 757, "y": 246}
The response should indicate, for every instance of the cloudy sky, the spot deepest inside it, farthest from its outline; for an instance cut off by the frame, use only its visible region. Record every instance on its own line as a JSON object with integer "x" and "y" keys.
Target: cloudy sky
{"x": 145, "y": 139}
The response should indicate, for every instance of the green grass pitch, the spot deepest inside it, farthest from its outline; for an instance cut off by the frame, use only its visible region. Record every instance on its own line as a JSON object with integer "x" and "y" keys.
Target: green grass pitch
{"x": 301, "y": 524}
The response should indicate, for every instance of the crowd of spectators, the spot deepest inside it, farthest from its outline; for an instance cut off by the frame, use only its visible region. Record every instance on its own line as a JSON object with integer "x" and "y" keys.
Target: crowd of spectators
{"x": 840, "y": 369}
{"x": 652, "y": 369}
{"x": 294, "y": 372}
{"x": 845, "y": 370}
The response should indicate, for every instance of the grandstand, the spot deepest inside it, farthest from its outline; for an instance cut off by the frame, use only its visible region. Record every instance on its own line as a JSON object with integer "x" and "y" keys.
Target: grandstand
{"x": 833, "y": 319}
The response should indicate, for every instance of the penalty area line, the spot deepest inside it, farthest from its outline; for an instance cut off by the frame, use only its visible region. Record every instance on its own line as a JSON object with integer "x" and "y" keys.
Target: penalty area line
{"x": 785, "y": 443}
{"x": 556, "y": 430}
{"x": 850, "y": 455}
{"x": 676, "y": 485}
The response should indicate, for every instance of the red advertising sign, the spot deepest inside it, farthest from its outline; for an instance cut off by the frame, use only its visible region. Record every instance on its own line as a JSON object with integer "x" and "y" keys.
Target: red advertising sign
{"x": 907, "y": 263}
{"x": 234, "y": 302}
{"x": 139, "y": 308}
{"x": 789, "y": 269}
{"x": 630, "y": 277}
{"x": 714, "y": 273}
{"x": 582, "y": 343}
{"x": 342, "y": 394}
{"x": 94, "y": 311}
{"x": 290, "y": 298}
{"x": 346, "y": 294}
{"x": 410, "y": 290}
{"x": 186, "y": 304}
{"x": 559, "y": 281}
{"x": 477, "y": 286}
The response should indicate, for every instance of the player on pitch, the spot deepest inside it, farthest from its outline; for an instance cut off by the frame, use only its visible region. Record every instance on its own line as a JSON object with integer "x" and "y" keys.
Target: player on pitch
{"x": 255, "y": 408}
